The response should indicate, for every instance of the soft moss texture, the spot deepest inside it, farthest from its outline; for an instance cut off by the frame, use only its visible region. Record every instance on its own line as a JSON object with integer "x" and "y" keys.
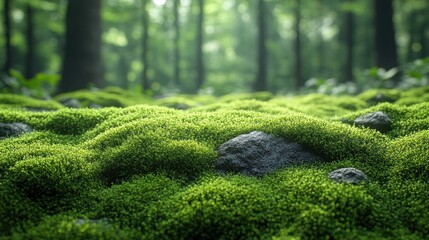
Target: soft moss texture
{"x": 147, "y": 171}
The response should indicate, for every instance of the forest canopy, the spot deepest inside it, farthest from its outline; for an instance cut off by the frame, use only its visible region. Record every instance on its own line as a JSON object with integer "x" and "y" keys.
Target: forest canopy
{"x": 215, "y": 47}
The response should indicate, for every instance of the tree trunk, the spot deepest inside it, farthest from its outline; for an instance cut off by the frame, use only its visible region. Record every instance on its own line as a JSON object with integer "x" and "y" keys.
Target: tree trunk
{"x": 145, "y": 79}
{"x": 82, "y": 60}
{"x": 260, "y": 83}
{"x": 299, "y": 83}
{"x": 385, "y": 43}
{"x": 30, "y": 59}
{"x": 177, "y": 43}
{"x": 350, "y": 28}
{"x": 8, "y": 35}
{"x": 200, "y": 40}
{"x": 424, "y": 51}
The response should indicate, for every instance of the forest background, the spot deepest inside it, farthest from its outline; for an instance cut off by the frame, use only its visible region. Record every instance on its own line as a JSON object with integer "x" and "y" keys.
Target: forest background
{"x": 163, "y": 47}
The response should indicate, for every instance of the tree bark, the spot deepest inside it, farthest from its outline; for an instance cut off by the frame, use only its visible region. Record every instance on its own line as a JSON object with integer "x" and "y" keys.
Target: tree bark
{"x": 8, "y": 34}
{"x": 350, "y": 28}
{"x": 385, "y": 43}
{"x": 260, "y": 83}
{"x": 177, "y": 43}
{"x": 82, "y": 59}
{"x": 145, "y": 78}
{"x": 200, "y": 40}
{"x": 30, "y": 59}
{"x": 299, "y": 83}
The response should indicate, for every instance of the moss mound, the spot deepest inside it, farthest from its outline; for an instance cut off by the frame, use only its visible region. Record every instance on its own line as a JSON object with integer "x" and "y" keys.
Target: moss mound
{"x": 147, "y": 172}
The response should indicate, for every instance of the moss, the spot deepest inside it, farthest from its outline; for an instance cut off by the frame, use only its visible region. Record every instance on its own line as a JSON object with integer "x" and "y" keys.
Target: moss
{"x": 376, "y": 96}
{"x": 414, "y": 96}
{"x": 70, "y": 227}
{"x": 109, "y": 97}
{"x": 128, "y": 203}
{"x": 28, "y": 103}
{"x": 410, "y": 157}
{"x": 157, "y": 166}
{"x": 260, "y": 96}
{"x": 15, "y": 209}
{"x": 321, "y": 105}
{"x": 406, "y": 119}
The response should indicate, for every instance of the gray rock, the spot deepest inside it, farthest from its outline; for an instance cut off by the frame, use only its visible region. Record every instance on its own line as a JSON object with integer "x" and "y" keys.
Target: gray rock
{"x": 348, "y": 175}
{"x": 379, "y": 121}
{"x": 13, "y": 129}
{"x": 258, "y": 153}
{"x": 70, "y": 103}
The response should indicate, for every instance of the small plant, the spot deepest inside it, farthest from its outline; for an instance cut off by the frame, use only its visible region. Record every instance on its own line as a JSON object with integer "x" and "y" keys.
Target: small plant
{"x": 40, "y": 86}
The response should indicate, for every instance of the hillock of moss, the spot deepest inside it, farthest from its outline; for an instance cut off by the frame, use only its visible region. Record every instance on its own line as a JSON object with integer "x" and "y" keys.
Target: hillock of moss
{"x": 147, "y": 172}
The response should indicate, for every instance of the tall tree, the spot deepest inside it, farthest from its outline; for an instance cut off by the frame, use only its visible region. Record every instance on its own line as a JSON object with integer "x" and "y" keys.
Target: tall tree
{"x": 145, "y": 78}
{"x": 82, "y": 60}
{"x": 261, "y": 83}
{"x": 299, "y": 83}
{"x": 385, "y": 43}
{"x": 200, "y": 52}
{"x": 349, "y": 38}
{"x": 176, "y": 42}
{"x": 30, "y": 59}
{"x": 8, "y": 36}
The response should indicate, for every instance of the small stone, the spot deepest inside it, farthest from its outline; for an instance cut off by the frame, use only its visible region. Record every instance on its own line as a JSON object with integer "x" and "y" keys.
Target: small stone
{"x": 379, "y": 121}
{"x": 259, "y": 153}
{"x": 8, "y": 130}
{"x": 71, "y": 103}
{"x": 348, "y": 175}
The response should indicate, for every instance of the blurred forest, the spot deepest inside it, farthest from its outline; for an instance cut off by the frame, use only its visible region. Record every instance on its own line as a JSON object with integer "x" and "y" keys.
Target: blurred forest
{"x": 163, "y": 47}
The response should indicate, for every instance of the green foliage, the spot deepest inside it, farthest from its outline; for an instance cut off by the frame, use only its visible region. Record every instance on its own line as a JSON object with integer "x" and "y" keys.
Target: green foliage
{"x": 40, "y": 86}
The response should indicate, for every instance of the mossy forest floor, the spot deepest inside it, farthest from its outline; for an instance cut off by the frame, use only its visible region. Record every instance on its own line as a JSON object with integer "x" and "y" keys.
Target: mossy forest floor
{"x": 146, "y": 171}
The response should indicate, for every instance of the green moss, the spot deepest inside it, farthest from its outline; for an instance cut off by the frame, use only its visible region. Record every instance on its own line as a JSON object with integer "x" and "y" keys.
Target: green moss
{"x": 15, "y": 209}
{"x": 260, "y": 96}
{"x": 127, "y": 204}
{"x": 410, "y": 157}
{"x": 109, "y": 97}
{"x": 161, "y": 164}
{"x": 376, "y": 96}
{"x": 414, "y": 96}
{"x": 28, "y": 103}
{"x": 406, "y": 120}
{"x": 69, "y": 227}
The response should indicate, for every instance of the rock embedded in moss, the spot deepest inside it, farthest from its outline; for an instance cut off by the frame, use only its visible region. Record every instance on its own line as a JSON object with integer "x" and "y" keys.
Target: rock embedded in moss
{"x": 259, "y": 153}
{"x": 379, "y": 121}
{"x": 13, "y": 129}
{"x": 348, "y": 175}
{"x": 71, "y": 103}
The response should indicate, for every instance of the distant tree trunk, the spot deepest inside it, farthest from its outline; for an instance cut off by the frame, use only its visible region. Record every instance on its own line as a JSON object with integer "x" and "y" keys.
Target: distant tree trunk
{"x": 124, "y": 67}
{"x": 8, "y": 36}
{"x": 424, "y": 52}
{"x": 145, "y": 79}
{"x": 412, "y": 18}
{"x": 385, "y": 43}
{"x": 200, "y": 40}
{"x": 299, "y": 83}
{"x": 350, "y": 29}
{"x": 30, "y": 59}
{"x": 82, "y": 60}
{"x": 260, "y": 83}
{"x": 176, "y": 43}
